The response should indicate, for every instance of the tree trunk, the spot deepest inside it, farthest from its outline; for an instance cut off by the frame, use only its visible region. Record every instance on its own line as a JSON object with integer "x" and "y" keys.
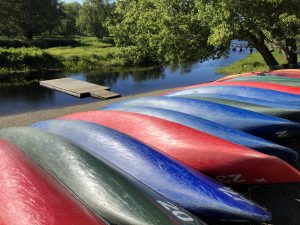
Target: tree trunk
{"x": 263, "y": 50}
{"x": 290, "y": 49}
{"x": 28, "y": 34}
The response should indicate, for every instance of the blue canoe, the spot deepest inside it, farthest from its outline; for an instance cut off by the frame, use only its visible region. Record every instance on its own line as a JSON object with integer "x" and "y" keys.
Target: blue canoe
{"x": 268, "y": 127}
{"x": 244, "y": 99}
{"x": 190, "y": 189}
{"x": 243, "y": 91}
{"x": 215, "y": 129}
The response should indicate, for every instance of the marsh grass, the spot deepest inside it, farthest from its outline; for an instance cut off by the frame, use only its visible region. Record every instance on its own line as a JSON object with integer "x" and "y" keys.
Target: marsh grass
{"x": 90, "y": 53}
{"x": 253, "y": 62}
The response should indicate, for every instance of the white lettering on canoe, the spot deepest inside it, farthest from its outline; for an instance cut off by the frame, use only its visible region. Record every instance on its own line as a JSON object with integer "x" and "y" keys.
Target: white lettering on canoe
{"x": 282, "y": 134}
{"x": 176, "y": 211}
{"x": 260, "y": 180}
{"x": 234, "y": 195}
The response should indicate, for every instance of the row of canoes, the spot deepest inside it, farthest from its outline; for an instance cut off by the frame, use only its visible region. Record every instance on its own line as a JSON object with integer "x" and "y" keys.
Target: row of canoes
{"x": 154, "y": 160}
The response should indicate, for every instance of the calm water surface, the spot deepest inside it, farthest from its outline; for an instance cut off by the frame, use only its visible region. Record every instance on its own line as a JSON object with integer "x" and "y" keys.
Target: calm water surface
{"x": 23, "y": 94}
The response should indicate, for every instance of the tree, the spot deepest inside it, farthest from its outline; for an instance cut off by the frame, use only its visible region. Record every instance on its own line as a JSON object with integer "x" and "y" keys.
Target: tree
{"x": 258, "y": 22}
{"x": 160, "y": 31}
{"x": 67, "y": 25}
{"x": 93, "y": 16}
{"x": 29, "y": 17}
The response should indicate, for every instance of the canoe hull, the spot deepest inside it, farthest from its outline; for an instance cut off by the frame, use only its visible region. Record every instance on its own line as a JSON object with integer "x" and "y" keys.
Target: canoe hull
{"x": 29, "y": 195}
{"x": 295, "y": 82}
{"x": 285, "y": 113}
{"x": 261, "y": 125}
{"x": 223, "y": 160}
{"x": 276, "y": 97}
{"x": 209, "y": 127}
{"x": 189, "y": 189}
{"x": 107, "y": 190}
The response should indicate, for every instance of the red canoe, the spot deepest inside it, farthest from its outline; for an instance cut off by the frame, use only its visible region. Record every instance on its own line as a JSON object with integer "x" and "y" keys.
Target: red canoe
{"x": 294, "y": 73}
{"x": 262, "y": 85}
{"x": 223, "y": 160}
{"x": 28, "y": 195}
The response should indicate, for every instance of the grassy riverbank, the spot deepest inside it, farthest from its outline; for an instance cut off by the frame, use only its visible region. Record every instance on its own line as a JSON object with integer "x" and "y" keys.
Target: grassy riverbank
{"x": 253, "y": 62}
{"x": 76, "y": 54}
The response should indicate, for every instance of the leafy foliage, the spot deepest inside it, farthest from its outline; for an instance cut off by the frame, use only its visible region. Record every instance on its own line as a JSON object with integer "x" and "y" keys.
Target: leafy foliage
{"x": 258, "y": 22}
{"x": 29, "y": 17}
{"x": 91, "y": 54}
{"x": 253, "y": 62}
{"x": 93, "y": 16}
{"x": 38, "y": 42}
{"x": 67, "y": 25}
{"x": 160, "y": 31}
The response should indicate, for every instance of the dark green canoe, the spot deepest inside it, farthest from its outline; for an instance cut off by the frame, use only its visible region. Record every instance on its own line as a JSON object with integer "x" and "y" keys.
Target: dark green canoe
{"x": 290, "y": 114}
{"x": 104, "y": 188}
{"x": 294, "y": 82}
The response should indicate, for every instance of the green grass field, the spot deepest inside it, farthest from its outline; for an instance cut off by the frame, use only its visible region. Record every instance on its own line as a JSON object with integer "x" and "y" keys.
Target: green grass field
{"x": 86, "y": 53}
{"x": 253, "y": 62}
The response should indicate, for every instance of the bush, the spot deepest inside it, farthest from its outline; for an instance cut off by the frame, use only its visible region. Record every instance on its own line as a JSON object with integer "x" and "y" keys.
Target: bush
{"x": 108, "y": 40}
{"x": 24, "y": 58}
{"x": 42, "y": 43}
{"x": 135, "y": 56}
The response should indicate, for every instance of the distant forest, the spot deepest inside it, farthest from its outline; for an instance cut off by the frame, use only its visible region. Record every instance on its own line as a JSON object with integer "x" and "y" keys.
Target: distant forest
{"x": 28, "y": 18}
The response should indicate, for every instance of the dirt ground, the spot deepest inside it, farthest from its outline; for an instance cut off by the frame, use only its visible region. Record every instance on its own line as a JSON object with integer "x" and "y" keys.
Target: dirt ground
{"x": 282, "y": 200}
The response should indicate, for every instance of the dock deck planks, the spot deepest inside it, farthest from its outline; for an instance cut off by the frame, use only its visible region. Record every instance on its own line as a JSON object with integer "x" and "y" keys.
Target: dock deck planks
{"x": 79, "y": 88}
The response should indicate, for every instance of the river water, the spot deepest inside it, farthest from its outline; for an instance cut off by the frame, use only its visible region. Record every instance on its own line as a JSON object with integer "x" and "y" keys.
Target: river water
{"x": 21, "y": 93}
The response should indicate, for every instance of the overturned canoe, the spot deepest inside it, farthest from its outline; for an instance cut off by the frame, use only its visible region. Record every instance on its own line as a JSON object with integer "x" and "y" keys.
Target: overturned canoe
{"x": 226, "y": 78}
{"x": 261, "y": 125}
{"x": 201, "y": 151}
{"x": 292, "y": 73}
{"x": 184, "y": 186}
{"x": 295, "y": 73}
{"x": 294, "y": 82}
{"x": 108, "y": 191}
{"x": 246, "y": 100}
{"x": 209, "y": 127}
{"x": 286, "y": 113}
{"x": 278, "y": 97}
{"x": 29, "y": 195}
{"x": 260, "y": 85}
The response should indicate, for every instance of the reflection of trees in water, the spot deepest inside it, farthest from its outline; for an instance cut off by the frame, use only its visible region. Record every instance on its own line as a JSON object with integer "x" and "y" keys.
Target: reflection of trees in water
{"x": 25, "y": 87}
{"x": 111, "y": 78}
{"x": 183, "y": 68}
{"x": 25, "y": 79}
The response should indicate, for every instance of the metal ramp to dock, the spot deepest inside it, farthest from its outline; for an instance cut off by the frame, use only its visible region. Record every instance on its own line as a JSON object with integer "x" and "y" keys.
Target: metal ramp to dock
{"x": 79, "y": 88}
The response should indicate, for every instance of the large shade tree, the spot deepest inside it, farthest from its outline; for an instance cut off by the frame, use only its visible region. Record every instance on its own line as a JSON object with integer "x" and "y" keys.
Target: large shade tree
{"x": 29, "y": 17}
{"x": 161, "y": 31}
{"x": 67, "y": 25}
{"x": 258, "y": 21}
{"x": 93, "y": 16}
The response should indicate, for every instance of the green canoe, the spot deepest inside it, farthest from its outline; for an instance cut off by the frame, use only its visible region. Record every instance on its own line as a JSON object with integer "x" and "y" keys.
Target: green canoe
{"x": 290, "y": 114}
{"x": 294, "y": 82}
{"x": 105, "y": 189}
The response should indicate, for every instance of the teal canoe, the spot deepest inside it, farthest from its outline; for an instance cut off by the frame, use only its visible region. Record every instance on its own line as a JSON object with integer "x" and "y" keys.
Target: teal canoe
{"x": 105, "y": 189}
{"x": 294, "y": 82}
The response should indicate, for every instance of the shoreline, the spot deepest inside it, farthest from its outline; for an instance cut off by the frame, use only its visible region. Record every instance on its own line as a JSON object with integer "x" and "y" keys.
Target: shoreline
{"x": 28, "y": 118}
{"x": 281, "y": 199}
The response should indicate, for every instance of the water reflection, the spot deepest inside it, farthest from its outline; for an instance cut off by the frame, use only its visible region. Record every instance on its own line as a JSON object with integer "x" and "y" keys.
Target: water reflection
{"x": 21, "y": 93}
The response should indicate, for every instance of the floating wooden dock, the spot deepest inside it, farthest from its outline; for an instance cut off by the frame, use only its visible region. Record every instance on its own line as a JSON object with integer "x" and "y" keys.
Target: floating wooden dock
{"x": 79, "y": 88}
